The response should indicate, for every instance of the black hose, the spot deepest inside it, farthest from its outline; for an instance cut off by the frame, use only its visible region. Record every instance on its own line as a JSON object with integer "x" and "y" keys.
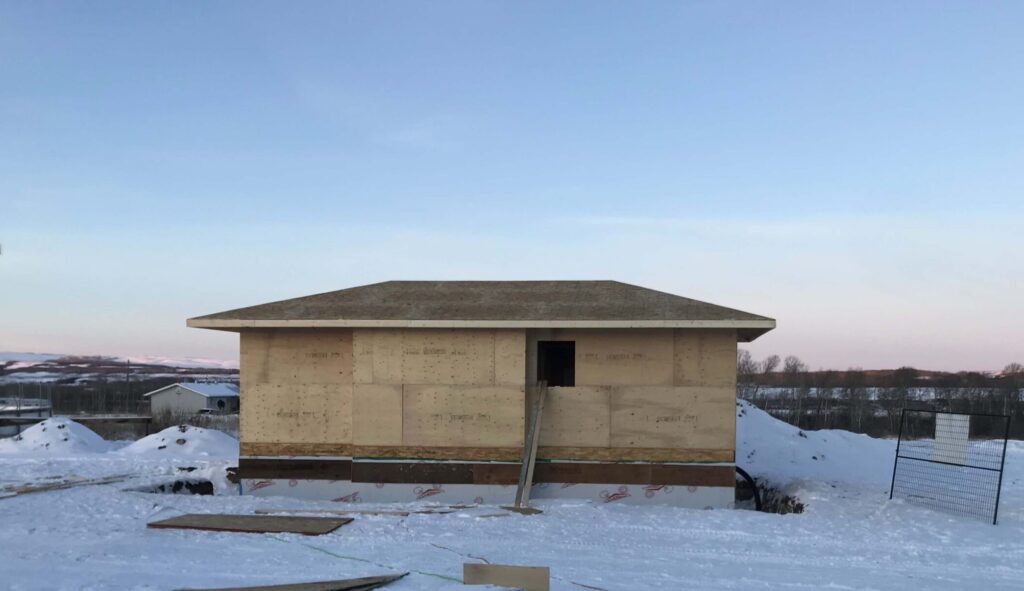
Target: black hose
{"x": 753, "y": 486}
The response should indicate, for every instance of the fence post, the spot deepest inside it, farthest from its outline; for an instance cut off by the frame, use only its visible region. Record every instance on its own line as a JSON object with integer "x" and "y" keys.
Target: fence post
{"x": 899, "y": 440}
{"x": 1002, "y": 465}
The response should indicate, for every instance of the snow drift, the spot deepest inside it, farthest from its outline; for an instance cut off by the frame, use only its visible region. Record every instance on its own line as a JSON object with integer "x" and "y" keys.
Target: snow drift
{"x": 186, "y": 441}
{"x": 776, "y": 451}
{"x": 56, "y": 435}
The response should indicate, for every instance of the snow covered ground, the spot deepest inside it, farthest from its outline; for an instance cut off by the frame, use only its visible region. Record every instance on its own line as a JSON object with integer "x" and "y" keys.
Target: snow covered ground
{"x": 849, "y": 537}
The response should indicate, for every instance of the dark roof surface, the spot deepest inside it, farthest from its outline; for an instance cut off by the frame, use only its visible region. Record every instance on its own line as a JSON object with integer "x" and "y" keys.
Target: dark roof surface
{"x": 519, "y": 301}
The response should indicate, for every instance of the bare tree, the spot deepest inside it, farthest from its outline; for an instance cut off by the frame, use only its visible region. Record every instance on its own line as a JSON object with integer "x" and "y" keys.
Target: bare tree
{"x": 1012, "y": 380}
{"x": 746, "y": 375}
{"x": 855, "y": 394}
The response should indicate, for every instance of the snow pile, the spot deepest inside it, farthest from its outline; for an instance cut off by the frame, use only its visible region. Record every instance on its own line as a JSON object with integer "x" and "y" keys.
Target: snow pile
{"x": 185, "y": 441}
{"x": 56, "y": 435}
{"x": 770, "y": 449}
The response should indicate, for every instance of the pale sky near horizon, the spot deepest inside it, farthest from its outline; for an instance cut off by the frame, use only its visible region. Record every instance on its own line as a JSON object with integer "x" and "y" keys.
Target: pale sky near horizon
{"x": 853, "y": 169}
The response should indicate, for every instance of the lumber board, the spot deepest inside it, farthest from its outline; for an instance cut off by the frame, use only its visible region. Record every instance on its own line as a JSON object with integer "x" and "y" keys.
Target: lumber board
{"x": 310, "y": 526}
{"x": 29, "y": 488}
{"x": 357, "y": 512}
{"x": 530, "y": 449}
{"x": 527, "y": 578}
{"x": 360, "y": 584}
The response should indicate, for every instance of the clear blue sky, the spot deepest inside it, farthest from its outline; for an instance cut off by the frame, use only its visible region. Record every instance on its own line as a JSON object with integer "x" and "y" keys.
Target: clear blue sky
{"x": 853, "y": 169}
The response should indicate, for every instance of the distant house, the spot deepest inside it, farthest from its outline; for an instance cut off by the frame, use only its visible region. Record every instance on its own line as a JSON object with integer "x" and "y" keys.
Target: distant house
{"x": 194, "y": 398}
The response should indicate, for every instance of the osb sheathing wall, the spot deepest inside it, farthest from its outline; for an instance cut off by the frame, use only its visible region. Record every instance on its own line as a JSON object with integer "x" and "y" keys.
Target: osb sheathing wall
{"x": 658, "y": 394}
{"x": 383, "y": 392}
{"x": 649, "y": 394}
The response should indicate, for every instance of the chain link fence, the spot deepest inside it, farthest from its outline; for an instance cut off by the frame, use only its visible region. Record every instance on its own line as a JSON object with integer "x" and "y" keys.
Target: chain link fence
{"x": 952, "y": 462}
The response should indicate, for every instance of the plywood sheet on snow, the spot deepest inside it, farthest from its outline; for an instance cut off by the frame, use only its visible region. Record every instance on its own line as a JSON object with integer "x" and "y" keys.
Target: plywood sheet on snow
{"x": 488, "y": 416}
{"x": 310, "y": 526}
{"x": 700, "y": 418}
{"x": 377, "y": 414}
{"x": 705, "y": 357}
{"x": 360, "y": 584}
{"x": 577, "y": 417}
{"x": 527, "y": 578}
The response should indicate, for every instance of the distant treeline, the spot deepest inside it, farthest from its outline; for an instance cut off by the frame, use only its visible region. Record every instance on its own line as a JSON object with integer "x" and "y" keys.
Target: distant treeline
{"x": 870, "y": 401}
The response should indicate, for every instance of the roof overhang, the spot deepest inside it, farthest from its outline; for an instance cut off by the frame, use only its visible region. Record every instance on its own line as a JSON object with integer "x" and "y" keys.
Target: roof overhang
{"x": 747, "y": 330}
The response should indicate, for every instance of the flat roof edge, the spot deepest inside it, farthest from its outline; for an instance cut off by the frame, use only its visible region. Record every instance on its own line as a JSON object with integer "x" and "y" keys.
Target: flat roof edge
{"x": 238, "y": 324}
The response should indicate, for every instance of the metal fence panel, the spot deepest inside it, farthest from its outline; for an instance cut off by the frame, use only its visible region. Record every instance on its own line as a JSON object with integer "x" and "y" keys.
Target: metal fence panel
{"x": 949, "y": 461}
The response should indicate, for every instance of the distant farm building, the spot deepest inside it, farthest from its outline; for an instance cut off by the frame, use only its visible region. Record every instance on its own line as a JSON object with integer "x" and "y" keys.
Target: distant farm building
{"x": 21, "y": 408}
{"x": 189, "y": 398}
{"x": 405, "y": 390}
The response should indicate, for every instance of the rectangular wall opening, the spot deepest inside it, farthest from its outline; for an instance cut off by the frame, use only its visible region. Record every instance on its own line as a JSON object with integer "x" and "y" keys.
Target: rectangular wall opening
{"x": 556, "y": 362}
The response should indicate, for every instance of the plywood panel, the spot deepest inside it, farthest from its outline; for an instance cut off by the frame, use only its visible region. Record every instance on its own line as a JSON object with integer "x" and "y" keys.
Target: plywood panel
{"x": 254, "y": 350}
{"x": 485, "y": 416}
{"x": 576, "y": 417}
{"x": 363, "y": 344}
{"x": 705, "y": 357}
{"x": 310, "y": 526}
{"x": 641, "y": 357}
{"x": 322, "y": 356}
{"x": 700, "y": 418}
{"x": 426, "y": 356}
{"x": 510, "y": 357}
{"x": 377, "y": 414}
{"x": 298, "y": 413}
{"x": 527, "y": 578}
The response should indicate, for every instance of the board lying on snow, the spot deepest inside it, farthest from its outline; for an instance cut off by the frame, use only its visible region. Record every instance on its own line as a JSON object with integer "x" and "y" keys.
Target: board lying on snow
{"x": 528, "y": 578}
{"x": 361, "y": 584}
{"x": 310, "y": 526}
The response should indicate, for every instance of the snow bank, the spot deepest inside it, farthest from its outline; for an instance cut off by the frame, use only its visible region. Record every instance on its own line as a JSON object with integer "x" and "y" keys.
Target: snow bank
{"x": 186, "y": 441}
{"x": 770, "y": 449}
{"x": 56, "y": 435}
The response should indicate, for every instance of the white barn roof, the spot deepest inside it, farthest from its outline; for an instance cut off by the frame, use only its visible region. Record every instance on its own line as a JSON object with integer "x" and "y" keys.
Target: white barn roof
{"x": 212, "y": 390}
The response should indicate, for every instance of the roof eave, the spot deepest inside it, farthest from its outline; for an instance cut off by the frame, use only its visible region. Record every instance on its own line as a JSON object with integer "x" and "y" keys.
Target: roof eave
{"x": 753, "y": 327}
